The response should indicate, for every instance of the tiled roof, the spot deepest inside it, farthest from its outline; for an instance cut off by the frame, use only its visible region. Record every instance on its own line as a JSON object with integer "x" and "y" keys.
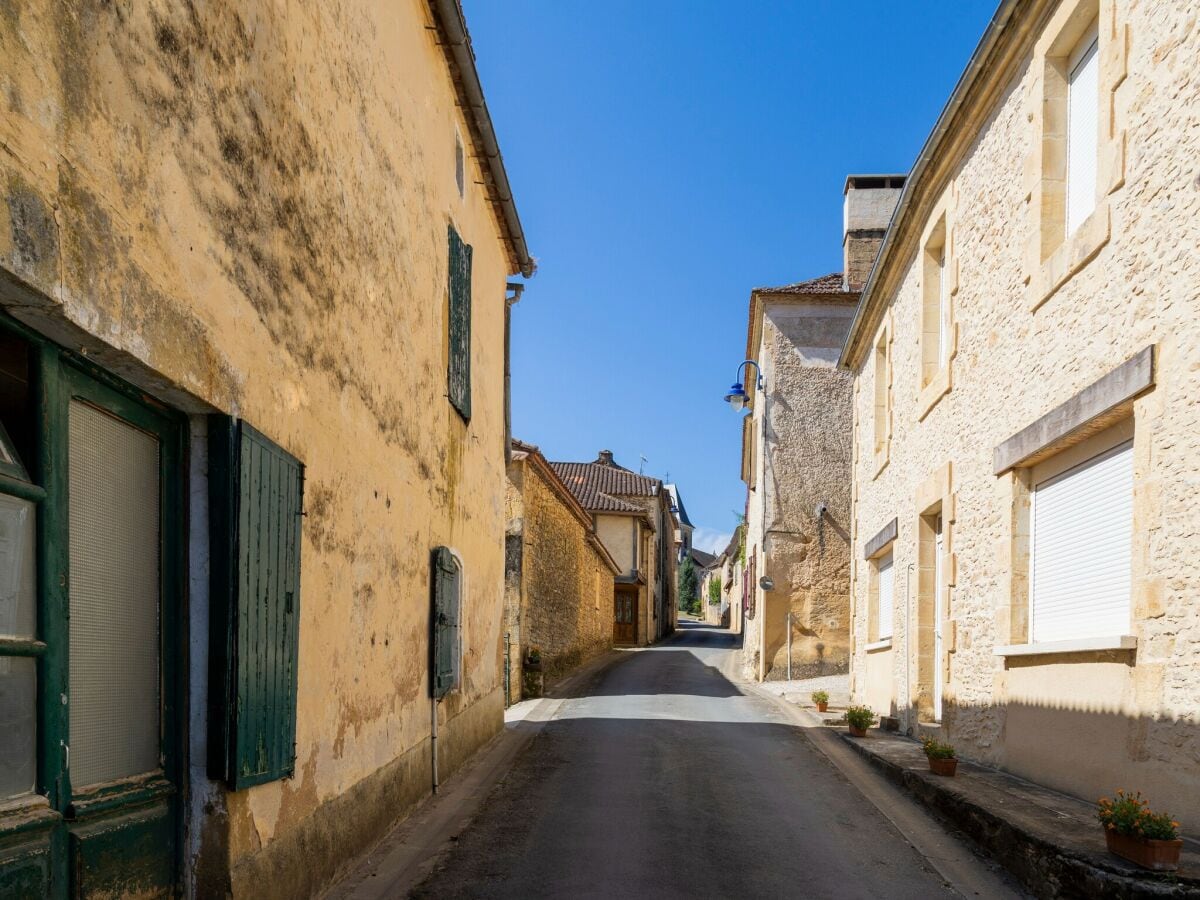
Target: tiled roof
{"x": 599, "y": 486}
{"x": 826, "y": 284}
{"x": 702, "y": 559}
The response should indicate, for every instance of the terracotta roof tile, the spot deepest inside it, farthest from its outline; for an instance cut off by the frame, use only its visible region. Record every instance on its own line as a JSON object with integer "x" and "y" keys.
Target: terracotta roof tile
{"x": 599, "y": 486}
{"x": 826, "y": 284}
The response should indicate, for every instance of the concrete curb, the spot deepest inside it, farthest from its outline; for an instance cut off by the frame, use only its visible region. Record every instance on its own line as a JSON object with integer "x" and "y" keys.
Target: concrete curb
{"x": 1053, "y": 863}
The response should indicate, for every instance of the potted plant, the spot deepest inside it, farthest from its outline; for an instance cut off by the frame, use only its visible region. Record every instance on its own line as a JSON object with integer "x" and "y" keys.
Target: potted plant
{"x": 860, "y": 718}
{"x": 1135, "y": 832}
{"x": 533, "y": 659}
{"x": 821, "y": 698}
{"x": 942, "y": 759}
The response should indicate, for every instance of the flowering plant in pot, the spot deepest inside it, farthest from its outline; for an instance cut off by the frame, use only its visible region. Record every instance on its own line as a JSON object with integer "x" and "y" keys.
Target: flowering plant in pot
{"x": 821, "y": 698}
{"x": 1133, "y": 831}
{"x": 533, "y": 658}
{"x": 941, "y": 756}
{"x": 860, "y": 718}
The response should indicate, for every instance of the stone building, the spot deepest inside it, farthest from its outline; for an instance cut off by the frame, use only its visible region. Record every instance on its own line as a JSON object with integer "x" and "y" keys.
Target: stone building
{"x": 252, "y": 356}
{"x": 632, "y": 517}
{"x": 683, "y": 525}
{"x": 796, "y": 454}
{"x": 1026, "y": 363}
{"x": 558, "y": 585}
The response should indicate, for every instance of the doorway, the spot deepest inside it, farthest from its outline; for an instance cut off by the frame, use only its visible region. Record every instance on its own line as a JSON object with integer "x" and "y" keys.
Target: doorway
{"x": 90, "y": 508}
{"x": 625, "y": 615}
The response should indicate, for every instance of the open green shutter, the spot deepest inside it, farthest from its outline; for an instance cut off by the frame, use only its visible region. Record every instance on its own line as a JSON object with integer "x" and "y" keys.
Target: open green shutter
{"x": 256, "y": 502}
{"x": 445, "y": 616}
{"x": 459, "y": 369}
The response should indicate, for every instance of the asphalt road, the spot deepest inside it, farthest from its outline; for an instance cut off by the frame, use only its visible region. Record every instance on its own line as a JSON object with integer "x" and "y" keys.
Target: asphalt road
{"x": 662, "y": 779}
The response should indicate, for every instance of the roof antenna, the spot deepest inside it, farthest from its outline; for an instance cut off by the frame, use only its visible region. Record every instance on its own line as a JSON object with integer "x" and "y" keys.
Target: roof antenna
{"x": 641, "y": 468}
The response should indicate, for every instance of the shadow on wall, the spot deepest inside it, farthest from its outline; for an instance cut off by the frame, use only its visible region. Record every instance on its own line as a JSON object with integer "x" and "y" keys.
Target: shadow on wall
{"x": 1086, "y": 750}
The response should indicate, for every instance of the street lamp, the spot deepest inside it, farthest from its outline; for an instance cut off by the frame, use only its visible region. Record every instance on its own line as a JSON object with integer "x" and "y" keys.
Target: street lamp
{"x": 736, "y": 397}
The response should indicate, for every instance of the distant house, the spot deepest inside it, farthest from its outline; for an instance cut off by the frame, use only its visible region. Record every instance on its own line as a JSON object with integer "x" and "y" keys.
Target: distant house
{"x": 683, "y": 528}
{"x": 558, "y": 577}
{"x": 632, "y": 516}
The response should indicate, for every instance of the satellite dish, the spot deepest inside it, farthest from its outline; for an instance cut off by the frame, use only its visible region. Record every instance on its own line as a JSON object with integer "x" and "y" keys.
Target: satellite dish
{"x": 766, "y": 583}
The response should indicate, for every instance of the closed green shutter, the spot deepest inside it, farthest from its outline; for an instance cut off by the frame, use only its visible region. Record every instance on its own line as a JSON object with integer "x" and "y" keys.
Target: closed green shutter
{"x": 255, "y": 505}
{"x": 447, "y": 587}
{"x": 459, "y": 369}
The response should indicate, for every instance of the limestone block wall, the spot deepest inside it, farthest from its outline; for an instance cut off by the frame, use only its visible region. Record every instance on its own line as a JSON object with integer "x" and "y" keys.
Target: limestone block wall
{"x": 803, "y": 425}
{"x": 567, "y": 585}
{"x": 243, "y": 206}
{"x": 1084, "y": 723}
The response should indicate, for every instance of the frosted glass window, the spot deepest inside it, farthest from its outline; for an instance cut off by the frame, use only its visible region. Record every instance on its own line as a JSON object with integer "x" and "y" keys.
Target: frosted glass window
{"x": 18, "y": 533}
{"x": 18, "y": 695}
{"x": 114, "y": 597}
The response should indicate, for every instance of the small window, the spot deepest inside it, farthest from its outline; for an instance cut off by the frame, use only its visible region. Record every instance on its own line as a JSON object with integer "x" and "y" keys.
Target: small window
{"x": 885, "y": 597}
{"x": 882, "y": 394}
{"x": 1082, "y": 548}
{"x": 1083, "y": 129}
{"x": 460, "y": 166}
{"x": 935, "y": 305}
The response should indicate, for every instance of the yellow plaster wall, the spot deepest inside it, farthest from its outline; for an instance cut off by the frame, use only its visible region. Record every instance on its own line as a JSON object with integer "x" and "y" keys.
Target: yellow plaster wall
{"x": 243, "y": 206}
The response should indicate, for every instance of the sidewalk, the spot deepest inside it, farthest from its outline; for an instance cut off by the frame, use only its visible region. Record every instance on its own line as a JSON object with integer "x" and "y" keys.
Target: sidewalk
{"x": 1050, "y": 842}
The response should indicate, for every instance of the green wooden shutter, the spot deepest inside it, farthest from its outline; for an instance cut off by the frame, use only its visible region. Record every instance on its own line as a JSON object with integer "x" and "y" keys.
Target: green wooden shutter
{"x": 446, "y": 612}
{"x": 459, "y": 369}
{"x": 255, "y": 505}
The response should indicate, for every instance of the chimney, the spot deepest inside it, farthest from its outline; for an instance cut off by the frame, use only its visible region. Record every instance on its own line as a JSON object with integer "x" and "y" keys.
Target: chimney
{"x": 605, "y": 458}
{"x": 870, "y": 202}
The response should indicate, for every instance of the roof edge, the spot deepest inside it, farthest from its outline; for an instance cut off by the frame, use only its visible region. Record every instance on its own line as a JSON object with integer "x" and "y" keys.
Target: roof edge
{"x": 456, "y": 41}
{"x": 984, "y": 50}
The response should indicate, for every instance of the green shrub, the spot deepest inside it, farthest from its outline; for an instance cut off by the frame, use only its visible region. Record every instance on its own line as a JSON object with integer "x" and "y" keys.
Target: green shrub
{"x": 935, "y": 749}
{"x": 1130, "y": 815}
{"x": 820, "y": 696}
{"x": 860, "y": 716}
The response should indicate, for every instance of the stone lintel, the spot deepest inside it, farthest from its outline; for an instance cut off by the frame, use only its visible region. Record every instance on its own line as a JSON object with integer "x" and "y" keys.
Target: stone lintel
{"x": 886, "y": 535}
{"x": 1089, "y": 410}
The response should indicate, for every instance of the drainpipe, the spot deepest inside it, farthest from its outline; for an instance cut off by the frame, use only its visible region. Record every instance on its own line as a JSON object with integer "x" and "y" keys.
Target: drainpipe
{"x": 433, "y": 739}
{"x": 510, "y": 300}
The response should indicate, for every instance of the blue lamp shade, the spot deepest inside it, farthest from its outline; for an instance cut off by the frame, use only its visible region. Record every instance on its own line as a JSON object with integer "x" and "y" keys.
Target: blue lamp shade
{"x": 736, "y": 396}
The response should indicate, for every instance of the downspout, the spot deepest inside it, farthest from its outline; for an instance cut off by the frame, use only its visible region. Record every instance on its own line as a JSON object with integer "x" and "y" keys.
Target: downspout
{"x": 510, "y": 300}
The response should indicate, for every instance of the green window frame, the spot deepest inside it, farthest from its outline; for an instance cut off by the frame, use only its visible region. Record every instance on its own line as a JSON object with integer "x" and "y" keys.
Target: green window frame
{"x": 446, "y": 615}
{"x": 256, "y": 501}
{"x": 458, "y": 374}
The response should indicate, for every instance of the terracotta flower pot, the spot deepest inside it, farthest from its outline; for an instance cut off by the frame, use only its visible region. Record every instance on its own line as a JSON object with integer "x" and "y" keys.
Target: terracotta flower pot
{"x": 858, "y": 732}
{"x": 822, "y": 707}
{"x": 942, "y": 766}
{"x": 1161, "y": 856}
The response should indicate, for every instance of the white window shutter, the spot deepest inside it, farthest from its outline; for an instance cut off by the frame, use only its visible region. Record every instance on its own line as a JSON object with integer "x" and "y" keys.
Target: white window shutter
{"x": 1082, "y": 550}
{"x": 1083, "y": 127}
{"x": 887, "y": 583}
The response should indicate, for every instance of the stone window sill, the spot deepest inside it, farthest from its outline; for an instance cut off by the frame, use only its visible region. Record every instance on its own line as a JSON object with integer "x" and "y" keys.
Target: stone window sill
{"x": 935, "y": 390}
{"x": 884, "y": 644}
{"x": 1080, "y": 645}
{"x": 1072, "y": 255}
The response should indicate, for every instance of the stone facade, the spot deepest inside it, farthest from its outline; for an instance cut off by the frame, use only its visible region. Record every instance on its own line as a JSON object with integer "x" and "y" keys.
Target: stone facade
{"x": 243, "y": 207}
{"x": 1037, "y": 322}
{"x": 559, "y": 577}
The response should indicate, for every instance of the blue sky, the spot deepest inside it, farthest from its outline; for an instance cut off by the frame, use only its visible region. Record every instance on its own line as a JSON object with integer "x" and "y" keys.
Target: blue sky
{"x": 667, "y": 157}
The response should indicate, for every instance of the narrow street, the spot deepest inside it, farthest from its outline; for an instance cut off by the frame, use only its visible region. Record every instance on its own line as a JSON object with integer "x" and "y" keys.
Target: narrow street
{"x": 659, "y": 777}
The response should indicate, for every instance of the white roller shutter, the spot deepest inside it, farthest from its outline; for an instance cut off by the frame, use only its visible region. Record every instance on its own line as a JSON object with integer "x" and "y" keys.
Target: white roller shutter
{"x": 886, "y": 594}
{"x": 1082, "y": 549}
{"x": 1083, "y": 131}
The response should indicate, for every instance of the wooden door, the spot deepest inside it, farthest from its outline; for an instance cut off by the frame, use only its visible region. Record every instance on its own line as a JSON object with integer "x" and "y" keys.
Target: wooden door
{"x": 625, "y": 617}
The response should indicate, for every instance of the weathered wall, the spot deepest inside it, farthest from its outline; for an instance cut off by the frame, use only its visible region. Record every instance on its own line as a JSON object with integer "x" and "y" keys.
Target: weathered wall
{"x": 244, "y": 207}
{"x": 803, "y": 423}
{"x": 1084, "y": 723}
{"x": 567, "y": 587}
{"x": 619, "y": 534}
